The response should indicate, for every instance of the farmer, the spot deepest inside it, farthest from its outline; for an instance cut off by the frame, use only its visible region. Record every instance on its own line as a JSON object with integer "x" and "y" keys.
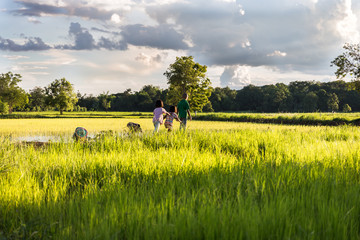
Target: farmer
{"x": 80, "y": 134}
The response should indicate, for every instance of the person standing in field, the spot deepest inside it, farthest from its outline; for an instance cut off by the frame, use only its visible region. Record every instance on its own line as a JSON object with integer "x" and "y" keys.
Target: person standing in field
{"x": 170, "y": 118}
{"x": 158, "y": 114}
{"x": 184, "y": 110}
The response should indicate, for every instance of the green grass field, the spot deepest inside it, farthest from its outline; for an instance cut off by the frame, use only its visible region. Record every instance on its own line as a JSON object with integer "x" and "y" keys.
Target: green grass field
{"x": 218, "y": 180}
{"x": 314, "y": 119}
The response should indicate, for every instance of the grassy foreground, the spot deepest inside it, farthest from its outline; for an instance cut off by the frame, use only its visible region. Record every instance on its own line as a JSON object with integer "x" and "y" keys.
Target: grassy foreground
{"x": 252, "y": 182}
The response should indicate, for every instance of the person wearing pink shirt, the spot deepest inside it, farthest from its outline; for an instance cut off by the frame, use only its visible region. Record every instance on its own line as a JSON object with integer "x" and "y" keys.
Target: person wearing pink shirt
{"x": 158, "y": 114}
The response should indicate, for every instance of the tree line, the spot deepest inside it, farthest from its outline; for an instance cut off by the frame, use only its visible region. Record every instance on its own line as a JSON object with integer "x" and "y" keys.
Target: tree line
{"x": 298, "y": 96}
{"x": 185, "y": 75}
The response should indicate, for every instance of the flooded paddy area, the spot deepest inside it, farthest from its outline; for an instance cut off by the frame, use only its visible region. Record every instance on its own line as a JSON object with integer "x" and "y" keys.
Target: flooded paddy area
{"x": 40, "y": 132}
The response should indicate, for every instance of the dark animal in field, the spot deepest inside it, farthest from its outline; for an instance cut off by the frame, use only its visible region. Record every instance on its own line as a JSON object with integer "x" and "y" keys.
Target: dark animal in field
{"x": 134, "y": 127}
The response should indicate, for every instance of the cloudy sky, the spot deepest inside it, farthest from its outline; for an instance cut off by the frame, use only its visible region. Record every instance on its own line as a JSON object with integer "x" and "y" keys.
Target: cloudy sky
{"x": 113, "y": 45}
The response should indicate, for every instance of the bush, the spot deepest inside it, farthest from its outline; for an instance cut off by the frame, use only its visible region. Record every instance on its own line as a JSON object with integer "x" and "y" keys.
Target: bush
{"x": 346, "y": 108}
{"x": 4, "y": 107}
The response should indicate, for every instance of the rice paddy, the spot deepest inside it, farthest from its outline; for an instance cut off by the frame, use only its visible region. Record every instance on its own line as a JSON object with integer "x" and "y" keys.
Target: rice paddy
{"x": 217, "y": 180}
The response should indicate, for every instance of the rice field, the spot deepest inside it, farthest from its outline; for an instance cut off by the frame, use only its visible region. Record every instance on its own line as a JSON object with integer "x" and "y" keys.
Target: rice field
{"x": 217, "y": 180}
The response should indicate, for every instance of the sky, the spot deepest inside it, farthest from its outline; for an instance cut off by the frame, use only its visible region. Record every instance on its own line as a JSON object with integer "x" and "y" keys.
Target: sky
{"x": 114, "y": 45}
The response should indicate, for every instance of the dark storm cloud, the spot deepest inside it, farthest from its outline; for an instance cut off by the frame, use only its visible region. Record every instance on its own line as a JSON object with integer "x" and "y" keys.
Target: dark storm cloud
{"x": 223, "y": 35}
{"x": 83, "y": 40}
{"x": 31, "y": 44}
{"x": 161, "y": 37}
{"x": 112, "y": 44}
{"x": 37, "y": 9}
{"x": 91, "y": 12}
{"x": 106, "y": 31}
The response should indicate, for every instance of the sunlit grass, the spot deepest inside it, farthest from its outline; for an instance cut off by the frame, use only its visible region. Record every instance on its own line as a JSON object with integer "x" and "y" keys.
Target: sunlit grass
{"x": 218, "y": 180}
{"x": 66, "y": 127}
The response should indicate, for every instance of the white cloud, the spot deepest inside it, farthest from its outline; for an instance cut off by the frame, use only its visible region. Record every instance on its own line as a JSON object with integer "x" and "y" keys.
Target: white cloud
{"x": 246, "y": 44}
{"x": 149, "y": 60}
{"x": 235, "y": 76}
{"x": 240, "y": 9}
{"x": 14, "y": 57}
{"x": 60, "y": 3}
{"x": 33, "y": 20}
{"x": 115, "y": 18}
{"x": 348, "y": 27}
{"x": 39, "y": 73}
{"x": 277, "y": 53}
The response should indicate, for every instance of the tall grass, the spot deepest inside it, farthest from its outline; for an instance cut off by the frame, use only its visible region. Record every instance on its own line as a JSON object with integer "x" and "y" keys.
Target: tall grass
{"x": 254, "y": 182}
{"x": 312, "y": 119}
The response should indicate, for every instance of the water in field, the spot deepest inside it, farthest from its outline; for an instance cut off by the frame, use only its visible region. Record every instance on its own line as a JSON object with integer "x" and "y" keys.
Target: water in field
{"x": 45, "y": 139}
{"x": 49, "y": 138}
{"x": 38, "y": 139}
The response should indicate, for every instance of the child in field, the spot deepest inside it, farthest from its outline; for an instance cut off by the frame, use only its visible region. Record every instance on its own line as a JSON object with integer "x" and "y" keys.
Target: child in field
{"x": 170, "y": 118}
{"x": 184, "y": 110}
{"x": 158, "y": 114}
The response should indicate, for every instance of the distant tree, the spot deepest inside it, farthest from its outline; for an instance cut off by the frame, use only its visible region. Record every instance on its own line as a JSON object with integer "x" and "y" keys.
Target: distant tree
{"x": 105, "y": 100}
{"x": 354, "y": 85}
{"x": 275, "y": 97}
{"x": 10, "y": 92}
{"x": 250, "y": 98}
{"x": 333, "y": 102}
{"x": 153, "y": 92}
{"x": 4, "y": 107}
{"x": 310, "y": 102}
{"x": 223, "y": 99}
{"x": 37, "y": 98}
{"x": 60, "y": 94}
{"x": 346, "y": 108}
{"x": 147, "y": 96}
{"x": 184, "y": 75}
{"x": 298, "y": 90}
{"x": 353, "y": 99}
{"x": 348, "y": 62}
{"x": 322, "y": 100}
{"x": 208, "y": 107}
{"x": 144, "y": 101}
{"x": 125, "y": 101}
{"x": 89, "y": 102}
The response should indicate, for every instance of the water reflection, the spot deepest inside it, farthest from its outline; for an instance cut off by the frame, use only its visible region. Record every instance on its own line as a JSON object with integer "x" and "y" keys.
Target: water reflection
{"x": 45, "y": 139}
{"x": 37, "y": 139}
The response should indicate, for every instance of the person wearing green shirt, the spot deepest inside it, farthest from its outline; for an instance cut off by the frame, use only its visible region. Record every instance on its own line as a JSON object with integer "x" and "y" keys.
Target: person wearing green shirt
{"x": 183, "y": 108}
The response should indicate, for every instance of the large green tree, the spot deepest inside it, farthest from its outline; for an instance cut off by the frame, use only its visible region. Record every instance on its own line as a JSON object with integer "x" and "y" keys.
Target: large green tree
{"x": 333, "y": 102}
{"x": 348, "y": 63}
{"x": 37, "y": 98}
{"x": 60, "y": 94}
{"x": 4, "y": 107}
{"x": 10, "y": 92}
{"x": 184, "y": 75}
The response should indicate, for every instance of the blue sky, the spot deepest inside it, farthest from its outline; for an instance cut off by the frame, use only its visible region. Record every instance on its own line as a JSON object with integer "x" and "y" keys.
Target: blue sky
{"x": 110, "y": 45}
